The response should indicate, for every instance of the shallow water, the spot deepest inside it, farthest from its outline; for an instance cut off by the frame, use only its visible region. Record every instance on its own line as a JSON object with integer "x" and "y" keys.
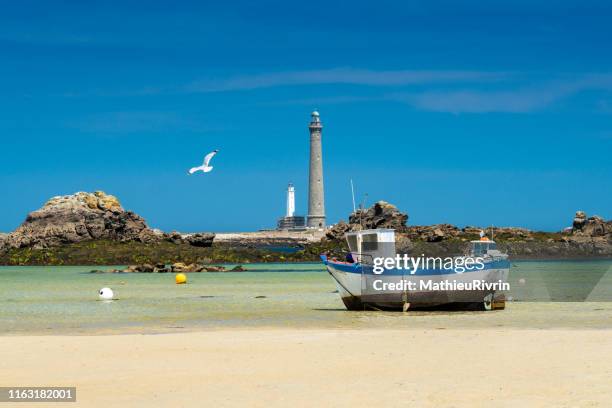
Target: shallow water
{"x": 568, "y": 294}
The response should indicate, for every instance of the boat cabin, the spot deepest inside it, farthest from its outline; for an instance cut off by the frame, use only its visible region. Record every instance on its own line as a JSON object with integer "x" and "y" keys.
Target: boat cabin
{"x": 366, "y": 245}
{"x": 482, "y": 247}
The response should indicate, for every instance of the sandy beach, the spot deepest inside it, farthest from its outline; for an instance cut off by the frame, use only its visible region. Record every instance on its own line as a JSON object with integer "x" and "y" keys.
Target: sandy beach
{"x": 320, "y": 367}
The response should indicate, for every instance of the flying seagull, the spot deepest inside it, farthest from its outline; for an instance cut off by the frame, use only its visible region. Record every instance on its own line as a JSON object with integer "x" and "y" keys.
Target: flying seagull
{"x": 205, "y": 166}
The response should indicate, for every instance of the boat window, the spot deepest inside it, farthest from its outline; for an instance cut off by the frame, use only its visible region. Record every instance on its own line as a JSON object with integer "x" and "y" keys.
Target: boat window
{"x": 370, "y": 242}
{"x": 479, "y": 249}
{"x": 352, "y": 243}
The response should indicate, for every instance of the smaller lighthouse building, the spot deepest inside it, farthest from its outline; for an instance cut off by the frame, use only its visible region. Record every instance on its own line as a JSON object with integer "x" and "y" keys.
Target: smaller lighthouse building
{"x": 291, "y": 221}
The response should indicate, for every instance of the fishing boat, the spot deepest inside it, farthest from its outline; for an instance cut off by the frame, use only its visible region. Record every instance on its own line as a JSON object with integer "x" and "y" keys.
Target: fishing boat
{"x": 366, "y": 282}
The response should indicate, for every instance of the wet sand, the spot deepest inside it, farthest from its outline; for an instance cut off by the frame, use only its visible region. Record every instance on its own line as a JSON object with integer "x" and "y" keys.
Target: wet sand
{"x": 320, "y": 367}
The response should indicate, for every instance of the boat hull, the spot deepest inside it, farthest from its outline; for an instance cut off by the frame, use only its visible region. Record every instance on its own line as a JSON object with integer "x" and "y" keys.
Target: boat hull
{"x": 357, "y": 283}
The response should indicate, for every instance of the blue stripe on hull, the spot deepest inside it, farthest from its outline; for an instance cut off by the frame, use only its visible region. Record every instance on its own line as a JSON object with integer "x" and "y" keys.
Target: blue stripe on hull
{"x": 368, "y": 270}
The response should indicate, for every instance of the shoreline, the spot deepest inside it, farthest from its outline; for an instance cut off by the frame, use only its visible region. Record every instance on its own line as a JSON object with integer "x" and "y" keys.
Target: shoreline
{"x": 585, "y": 258}
{"x": 152, "y": 331}
{"x": 285, "y": 367}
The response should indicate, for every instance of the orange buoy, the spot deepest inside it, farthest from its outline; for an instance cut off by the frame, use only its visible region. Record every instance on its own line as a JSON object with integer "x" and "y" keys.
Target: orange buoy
{"x": 180, "y": 278}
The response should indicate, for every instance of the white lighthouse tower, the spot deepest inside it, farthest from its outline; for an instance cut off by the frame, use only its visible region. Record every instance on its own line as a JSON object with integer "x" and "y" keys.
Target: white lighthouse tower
{"x": 291, "y": 221}
{"x": 290, "y": 201}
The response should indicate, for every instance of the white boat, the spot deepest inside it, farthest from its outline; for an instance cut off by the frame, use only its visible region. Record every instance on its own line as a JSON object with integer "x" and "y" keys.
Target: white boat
{"x": 361, "y": 283}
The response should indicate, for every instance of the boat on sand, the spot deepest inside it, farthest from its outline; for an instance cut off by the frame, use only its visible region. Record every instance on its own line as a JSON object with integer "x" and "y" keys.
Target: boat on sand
{"x": 374, "y": 276}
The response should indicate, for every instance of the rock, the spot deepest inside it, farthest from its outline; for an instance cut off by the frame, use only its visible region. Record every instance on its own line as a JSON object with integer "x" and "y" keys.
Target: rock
{"x": 337, "y": 231}
{"x": 79, "y": 217}
{"x": 214, "y": 268}
{"x": 194, "y": 268}
{"x": 181, "y": 267}
{"x": 591, "y": 227}
{"x": 178, "y": 267}
{"x": 380, "y": 215}
{"x": 3, "y": 241}
{"x": 149, "y": 236}
{"x": 596, "y": 227}
{"x": 200, "y": 239}
{"x": 591, "y": 235}
{"x": 436, "y": 235}
{"x": 579, "y": 220}
{"x": 145, "y": 268}
{"x": 161, "y": 268}
{"x": 173, "y": 237}
{"x": 433, "y": 233}
{"x": 237, "y": 268}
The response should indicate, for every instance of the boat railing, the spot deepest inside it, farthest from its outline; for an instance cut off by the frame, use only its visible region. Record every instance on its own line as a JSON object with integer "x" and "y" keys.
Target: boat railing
{"x": 364, "y": 259}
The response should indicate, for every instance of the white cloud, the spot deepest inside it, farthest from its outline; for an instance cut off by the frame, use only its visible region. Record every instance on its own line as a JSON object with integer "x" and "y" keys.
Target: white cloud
{"x": 341, "y": 76}
{"x": 471, "y": 101}
{"x": 520, "y": 100}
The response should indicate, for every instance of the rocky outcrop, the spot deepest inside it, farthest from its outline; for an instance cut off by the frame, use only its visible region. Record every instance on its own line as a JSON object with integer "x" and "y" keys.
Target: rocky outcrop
{"x": 591, "y": 227}
{"x": 579, "y": 221}
{"x": 3, "y": 241}
{"x": 433, "y": 233}
{"x": 589, "y": 236}
{"x": 200, "y": 239}
{"x": 79, "y": 217}
{"x": 174, "y": 237}
{"x": 380, "y": 215}
{"x": 177, "y": 267}
{"x": 88, "y": 216}
{"x": 592, "y": 234}
{"x": 336, "y": 232}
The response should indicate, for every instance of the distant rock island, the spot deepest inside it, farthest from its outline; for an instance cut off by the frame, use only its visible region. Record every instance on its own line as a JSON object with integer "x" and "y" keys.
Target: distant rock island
{"x": 94, "y": 229}
{"x": 88, "y": 217}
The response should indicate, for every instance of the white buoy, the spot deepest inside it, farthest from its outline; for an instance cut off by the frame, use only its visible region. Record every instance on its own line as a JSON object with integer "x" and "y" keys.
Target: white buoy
{"x": 106, "y": 294}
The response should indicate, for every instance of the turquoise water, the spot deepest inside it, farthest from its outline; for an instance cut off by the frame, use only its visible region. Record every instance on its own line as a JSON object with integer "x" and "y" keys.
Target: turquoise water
{"x": 65, "y": 300}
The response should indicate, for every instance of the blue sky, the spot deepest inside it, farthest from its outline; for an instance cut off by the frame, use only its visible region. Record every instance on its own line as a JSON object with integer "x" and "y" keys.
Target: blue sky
{"x": 472, "y": 113}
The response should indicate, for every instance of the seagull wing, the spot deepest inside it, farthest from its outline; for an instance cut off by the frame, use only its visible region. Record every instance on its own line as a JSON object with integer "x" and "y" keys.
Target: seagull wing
{"x": 209, "y": 157}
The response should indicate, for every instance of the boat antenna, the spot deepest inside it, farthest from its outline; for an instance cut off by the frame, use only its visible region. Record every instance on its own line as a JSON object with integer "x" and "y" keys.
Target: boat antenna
{"x": 353, "y": 194}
